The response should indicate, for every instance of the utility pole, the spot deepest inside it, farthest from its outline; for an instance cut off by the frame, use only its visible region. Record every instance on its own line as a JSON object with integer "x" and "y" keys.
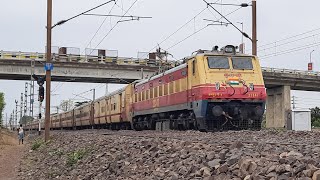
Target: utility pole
{"x": 13, "y": 117}
{"x": 94, "y": 95}
{"x": 21, "y": 105}
{"x": 48, "y": 72}
{"x": 32, "y": 88}
{"x": 16, "y": 116}
{"x": 25, "y": 99}
{"x": 10, "y": 121}
{"x": 293, "y": 102}
{"x": 254, "y": 28}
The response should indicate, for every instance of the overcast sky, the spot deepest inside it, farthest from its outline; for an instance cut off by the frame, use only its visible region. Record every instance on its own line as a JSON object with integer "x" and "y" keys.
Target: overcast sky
{"x": 23, "y": 29}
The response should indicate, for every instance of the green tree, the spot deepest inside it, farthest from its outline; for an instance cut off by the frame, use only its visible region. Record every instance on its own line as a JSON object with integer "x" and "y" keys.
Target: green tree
{"x": 315, "y": 116}
{"x": 26, "y": 119}
{"x": 2, "y": 104}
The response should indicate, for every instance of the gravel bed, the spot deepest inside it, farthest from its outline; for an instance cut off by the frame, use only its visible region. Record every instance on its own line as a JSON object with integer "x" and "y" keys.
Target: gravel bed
{"x": 104, "y": 154}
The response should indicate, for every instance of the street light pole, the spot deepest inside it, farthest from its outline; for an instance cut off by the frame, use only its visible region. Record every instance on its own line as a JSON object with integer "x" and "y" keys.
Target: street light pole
{"x": 311, "y": 56}
{"x": 254, "y": 27}
{"x": 48, "y": 72}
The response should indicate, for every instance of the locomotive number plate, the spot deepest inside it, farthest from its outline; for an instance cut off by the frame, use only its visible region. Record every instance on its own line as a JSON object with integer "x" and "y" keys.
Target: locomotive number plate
{"x": 216, "y": 94}
{"x": 253, "y": 95}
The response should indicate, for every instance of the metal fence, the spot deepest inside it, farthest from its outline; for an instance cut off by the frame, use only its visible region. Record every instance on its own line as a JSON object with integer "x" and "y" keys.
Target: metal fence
{"x": 56, "y": 57}
{"x": 112, "y": 57}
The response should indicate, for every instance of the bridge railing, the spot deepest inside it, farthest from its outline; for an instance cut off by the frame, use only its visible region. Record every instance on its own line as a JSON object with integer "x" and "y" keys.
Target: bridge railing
{"x": 290, "y": 71}
{"x": 82, "y": 58}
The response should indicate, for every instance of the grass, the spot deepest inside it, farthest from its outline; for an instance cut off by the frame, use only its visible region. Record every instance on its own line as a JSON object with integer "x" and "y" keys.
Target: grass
{"x": 57, "y": 152}
{"x": 39, "y": 143}
{"x": 75, "y": 156}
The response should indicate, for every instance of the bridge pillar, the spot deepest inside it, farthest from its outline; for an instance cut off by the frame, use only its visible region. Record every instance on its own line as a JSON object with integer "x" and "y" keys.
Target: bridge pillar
{"x": 278, "y": 105}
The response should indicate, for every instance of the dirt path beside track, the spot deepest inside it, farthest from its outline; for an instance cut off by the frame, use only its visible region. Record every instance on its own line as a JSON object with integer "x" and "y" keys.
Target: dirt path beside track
{"x": 10, "y": 155}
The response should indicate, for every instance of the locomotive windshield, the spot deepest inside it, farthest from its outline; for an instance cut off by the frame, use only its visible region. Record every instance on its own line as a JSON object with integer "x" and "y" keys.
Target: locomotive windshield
{"x": 242, "y": 63}
{"x": 218, "y": 62}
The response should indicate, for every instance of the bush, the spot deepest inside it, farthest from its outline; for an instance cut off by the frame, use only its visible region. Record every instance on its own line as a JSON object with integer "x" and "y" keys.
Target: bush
{"x": 315, "y": 117}
{"x": 37, "y": 144}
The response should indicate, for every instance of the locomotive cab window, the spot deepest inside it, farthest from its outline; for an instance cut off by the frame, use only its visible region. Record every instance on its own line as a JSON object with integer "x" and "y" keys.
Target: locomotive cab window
{"x": 218, "y": 62}
{"x": 193, "y": 67}
{"x": 244, "y": 63}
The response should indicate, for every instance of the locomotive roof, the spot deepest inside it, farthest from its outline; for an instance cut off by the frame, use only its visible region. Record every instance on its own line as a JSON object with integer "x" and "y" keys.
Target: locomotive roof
{"x": 162, "y": 74}
{"x": 216, "y": 53}
{"x": 112, "y": 93}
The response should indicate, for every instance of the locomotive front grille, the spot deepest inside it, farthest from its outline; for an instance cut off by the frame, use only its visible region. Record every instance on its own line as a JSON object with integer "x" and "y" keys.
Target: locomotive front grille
{"x": 234, "y": 115}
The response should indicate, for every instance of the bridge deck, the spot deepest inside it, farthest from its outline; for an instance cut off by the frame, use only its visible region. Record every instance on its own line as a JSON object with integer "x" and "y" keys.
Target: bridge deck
{"x": 102, "y": 69}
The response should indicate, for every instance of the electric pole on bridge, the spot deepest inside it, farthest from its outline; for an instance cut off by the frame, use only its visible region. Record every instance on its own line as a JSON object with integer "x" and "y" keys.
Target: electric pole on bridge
{"x": 48, "y": 71}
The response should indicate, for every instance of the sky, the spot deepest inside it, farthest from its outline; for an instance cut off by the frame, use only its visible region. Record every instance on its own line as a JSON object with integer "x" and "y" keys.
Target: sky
{"x": 23, "y": 29}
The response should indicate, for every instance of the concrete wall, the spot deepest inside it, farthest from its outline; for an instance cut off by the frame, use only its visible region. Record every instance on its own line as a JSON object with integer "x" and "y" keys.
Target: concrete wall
{"x": 278, "y": 105}
{"x": 97, "y": 73}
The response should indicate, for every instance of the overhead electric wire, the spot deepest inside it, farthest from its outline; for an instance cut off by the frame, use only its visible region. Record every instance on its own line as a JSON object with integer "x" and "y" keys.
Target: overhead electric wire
{"x": 114, "y": 25}
{"x": 112, "y": 15}
{"x": 201, "y": 29}
{"x": 165, "y": 39}
{"x": 86, "y": 92}
{"x": 222, "y": 4}
{"x": 95, "y": 34}
{"x": 288, "y": 51}
{"x": 181, "y": 27}
{"x": 284, "y": 39}
{"x": 64, "y": 21}
{"x": 278, "y": 45}
{"x": 57, "y": 87}
{"x": 187, "y": 37}
{"x": 224, "y": 17}
{"x": 121, "y": 7}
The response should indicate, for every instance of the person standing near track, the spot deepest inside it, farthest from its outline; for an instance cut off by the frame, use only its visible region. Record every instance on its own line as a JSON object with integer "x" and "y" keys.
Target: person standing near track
{"x": 20, "y": 134}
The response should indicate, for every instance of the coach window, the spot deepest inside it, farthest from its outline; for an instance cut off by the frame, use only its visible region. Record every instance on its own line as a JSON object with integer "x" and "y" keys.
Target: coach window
{"x": 143, "y": 95}
{"x": 183, "y": 84}
{"x": 177, "y": 82}
{"x": 156, "y": 92}
{"x": 139, "y": 97}
{"x": 148, "y": 94}
{"x": 171, "y": 87}
{"x": 194, "y": 67}
{"x": 151, "y": 93}
{"x": 160, "y": 90}
{"x": 166, "y": 89}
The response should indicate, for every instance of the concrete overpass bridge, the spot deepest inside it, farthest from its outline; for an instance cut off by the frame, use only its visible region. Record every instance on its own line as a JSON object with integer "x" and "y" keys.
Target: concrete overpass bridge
{"x": 103, "y": 69}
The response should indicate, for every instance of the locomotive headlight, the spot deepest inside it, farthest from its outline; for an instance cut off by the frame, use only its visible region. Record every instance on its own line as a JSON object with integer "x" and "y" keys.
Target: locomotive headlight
{"x": 217, "y": 111}
{"x": 217, "y": 86}
{"x": 251, "y": 86}
{"x": 258, "y": 111}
